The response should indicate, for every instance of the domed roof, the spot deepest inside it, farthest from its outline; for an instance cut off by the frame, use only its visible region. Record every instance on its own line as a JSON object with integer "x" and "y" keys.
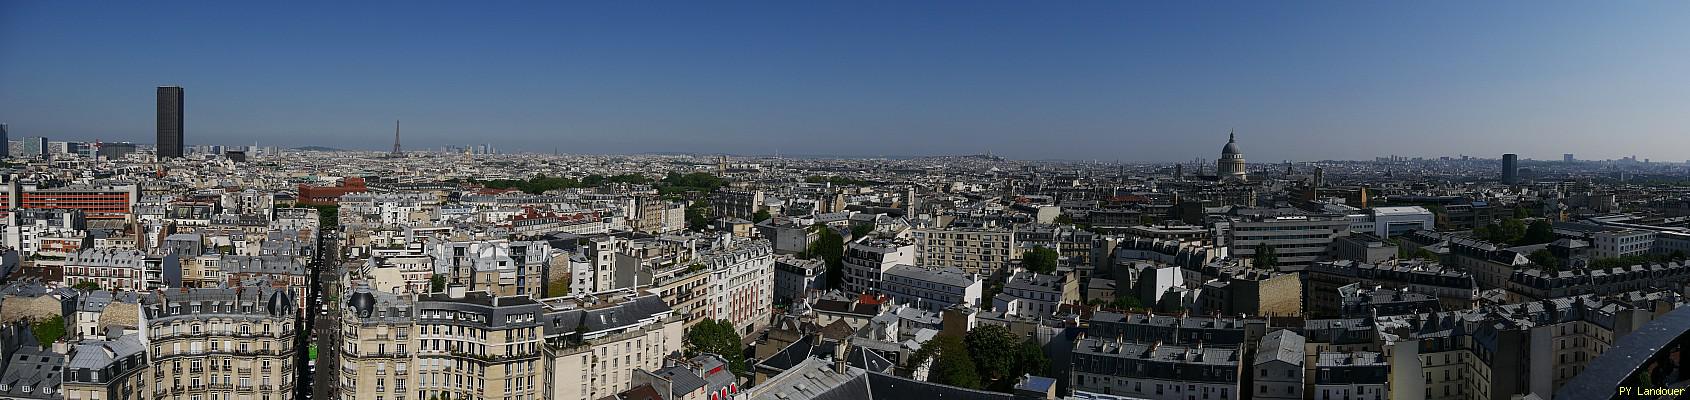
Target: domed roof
{"x": 363, "y": 303}
{"x": 280, "y": 303}
{"x": 1231, "y": 145}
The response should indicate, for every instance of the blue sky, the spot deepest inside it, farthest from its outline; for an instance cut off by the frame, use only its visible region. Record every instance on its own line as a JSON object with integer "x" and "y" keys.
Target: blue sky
{"x": 1131, "y": 81}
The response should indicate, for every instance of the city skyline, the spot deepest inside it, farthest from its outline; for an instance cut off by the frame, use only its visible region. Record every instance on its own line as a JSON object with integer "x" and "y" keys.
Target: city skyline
{"x": 1139, "y": 83}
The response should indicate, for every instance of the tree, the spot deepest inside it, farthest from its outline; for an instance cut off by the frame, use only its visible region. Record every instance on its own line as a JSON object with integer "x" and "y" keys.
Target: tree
{"x": 1126, "y": 301}
{"x": 953, "y": 365}
{"x": 1265, "y": 257}
{"x": 437, "y": 283}
{"x": 328, "y": 215}
{"x": 1522, "y": 213}
{"x": 48, "y": 330}
{"x": 697, "y": 181}
{"x": 716, "y": 337}
{"x": 1507, "y": 231}
{"x": 830, "y": 247}
{"x": 1546, "y": 259}
{"x": 1030, "y": 359}
{"x": 1039, "y": 259}
{"x": 1417, "y": 254}
{"x": 699, "y": 215}
{"x": 86, "y": 286}
{"x": 761, "y": 215}
{"x": 1540, "y": 231}
{"x": 861, "y": 230}
{"x": 993, "y": 348}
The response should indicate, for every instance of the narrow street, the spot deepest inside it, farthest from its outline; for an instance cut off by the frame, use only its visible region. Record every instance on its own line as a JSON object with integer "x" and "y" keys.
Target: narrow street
{"x": 319, "y": 328}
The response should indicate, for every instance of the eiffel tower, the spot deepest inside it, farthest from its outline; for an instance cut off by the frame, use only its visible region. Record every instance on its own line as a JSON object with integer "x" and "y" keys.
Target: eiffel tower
{"x": 396, "y": 152}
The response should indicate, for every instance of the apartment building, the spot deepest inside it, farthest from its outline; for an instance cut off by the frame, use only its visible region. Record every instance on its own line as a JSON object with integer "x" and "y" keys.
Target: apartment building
{"x": 741, "y": 288}
{"x": 108, "y": 368}
{"x": 116, "y": 269}
{"x": 1453, "y": 289}
{"x": 1035, "y": 294}
{"x": 1277, "y": 371}
{"x": 504, "y": 267}
{"x": 222, "y": 344}
{"x": 594, "y": 347}
{"x": 795, "y": 278}
{"x": 476, "y": 345}
{"x": 931, "y": 288}
{"x": 378, "y": 347}
{"x": 1361, "y": 375}
{"x": 737, "y": 204}
{"x": 1297, "y": 238}
{"x": 865, "y": 260}
{"x": 1155, "y": 370}
{"x": 95, "y": 201}
{"x": 1508, "y": 350}
{"x": 1622, "y": 243}
{"x": 980, "y": 251}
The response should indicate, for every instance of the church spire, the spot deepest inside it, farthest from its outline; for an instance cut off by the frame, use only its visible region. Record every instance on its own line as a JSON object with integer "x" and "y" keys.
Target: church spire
{"x": 1231, "y": 136}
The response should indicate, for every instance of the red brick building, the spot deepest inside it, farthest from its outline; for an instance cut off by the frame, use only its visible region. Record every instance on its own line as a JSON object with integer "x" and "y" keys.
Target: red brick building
{"x": 330, "y": 195}
{"x": 96, "y": 202}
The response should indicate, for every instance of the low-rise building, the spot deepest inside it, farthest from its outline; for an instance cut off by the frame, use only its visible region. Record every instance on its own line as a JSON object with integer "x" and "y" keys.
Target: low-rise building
{"x": 1361, "y": 375}
{"x": 1155, "y": 370}
{"x": 930, "y": 288}
{"x": 865, "y": 260}
{"x": 1277, "y": 370}
{"x": 1035, "y": 294}
{"x": 795, "y": 278}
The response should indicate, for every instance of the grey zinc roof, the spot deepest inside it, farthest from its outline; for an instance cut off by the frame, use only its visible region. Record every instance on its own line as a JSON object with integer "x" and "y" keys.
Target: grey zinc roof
{"x": 682, "y": 380}
{"x": 1281, "y": 345}
{"x": 36, "y": 369}
{"x": 813, "y": 378}
{"x": 98, "y": 354}
{"x": 941, "y": 275}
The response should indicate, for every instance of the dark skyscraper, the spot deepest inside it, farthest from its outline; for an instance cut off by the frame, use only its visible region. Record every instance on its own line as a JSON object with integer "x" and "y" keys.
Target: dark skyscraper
{"x": 5, "y": 142}
{"x": 1510, "y": 168}
{"x": 169, "y": 121}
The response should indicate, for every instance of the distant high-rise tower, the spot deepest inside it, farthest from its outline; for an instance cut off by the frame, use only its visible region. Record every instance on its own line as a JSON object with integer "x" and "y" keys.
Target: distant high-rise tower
{"x": 1231, "y": 165}
{"x": 34, "y": 147}
{"x": 1510, "y": 168}
{"x": 396, "y": 152}
{"x": 169, "y": 121}
{"x": 5, "y": 142}
{"x": 1319, "y": 176}
{"x": 1567, "y": 157}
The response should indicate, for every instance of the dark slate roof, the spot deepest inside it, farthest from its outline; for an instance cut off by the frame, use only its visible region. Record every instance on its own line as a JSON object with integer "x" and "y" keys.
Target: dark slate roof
{"x": 1627, "y": 358}
{"x": 641, "y": 392}
{"x": 839, "y": 306}
{"x": 599, "y": 319}
{"x": 890, "y": 387}
{"x": 809, "y": 346}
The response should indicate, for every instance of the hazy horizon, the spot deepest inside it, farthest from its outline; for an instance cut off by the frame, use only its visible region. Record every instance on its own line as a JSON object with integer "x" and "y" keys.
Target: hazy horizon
{"x": 1133, "y": 82}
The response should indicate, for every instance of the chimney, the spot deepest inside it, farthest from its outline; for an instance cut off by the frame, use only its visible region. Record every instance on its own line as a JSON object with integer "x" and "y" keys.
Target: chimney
{"x": 456, "y": 291}
{"x": 839, "y": 353}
